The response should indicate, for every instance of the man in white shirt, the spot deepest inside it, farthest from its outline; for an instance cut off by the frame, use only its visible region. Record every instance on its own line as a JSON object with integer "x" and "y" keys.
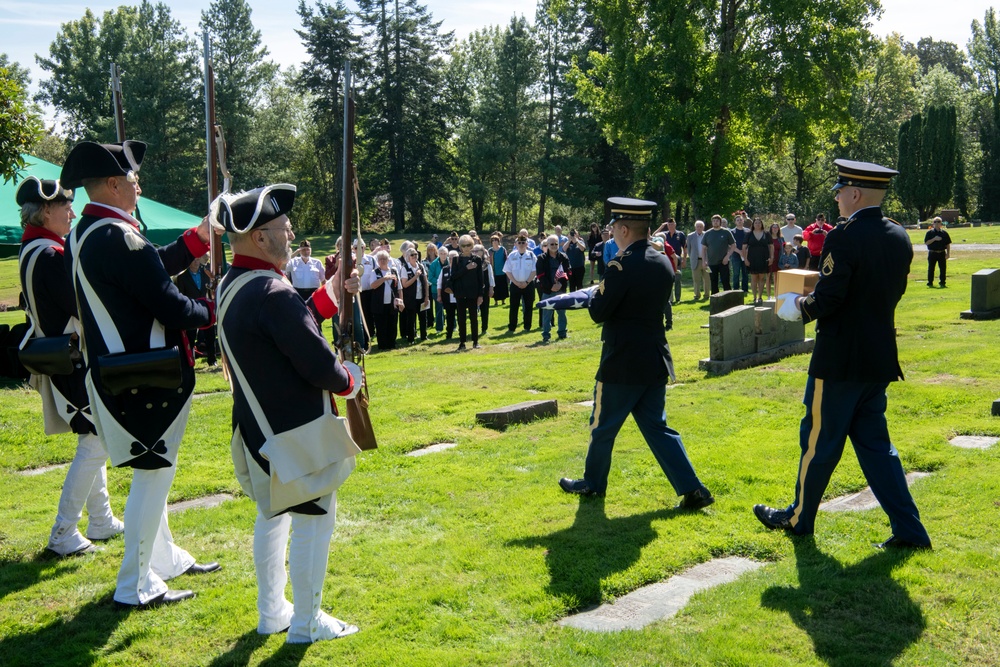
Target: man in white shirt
{"x": 520, "y": 271}
{"x": 305, "y": 272}
{"x": 790, "y": 229}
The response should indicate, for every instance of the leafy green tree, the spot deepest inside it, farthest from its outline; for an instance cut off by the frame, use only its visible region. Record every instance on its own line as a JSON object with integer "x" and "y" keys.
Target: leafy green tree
{"x": 161, "y": 81}
{"x": 19, "y": 123}
{"x": 932, "y": 53}
{"x": 405, "y": 119}
{"x": 242, "y": 74}
{"x": 984, "y": 52}
{"x": 329, "y": 41}
{"x": 927, "y": 160}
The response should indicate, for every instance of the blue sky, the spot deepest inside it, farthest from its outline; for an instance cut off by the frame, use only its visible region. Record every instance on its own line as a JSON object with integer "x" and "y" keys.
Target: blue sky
{"x": 28, "y": 27}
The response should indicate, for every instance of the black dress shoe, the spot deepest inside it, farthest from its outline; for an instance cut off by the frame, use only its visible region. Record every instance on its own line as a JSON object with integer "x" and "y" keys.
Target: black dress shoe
{"x": 169, "y": 597}
{"x": 895, "y": 543}
{"x": 695, "y": 500}
{"x": 772, "y": 518}
{"x": 578, "y": 486}
{"x": 203, "y": 569}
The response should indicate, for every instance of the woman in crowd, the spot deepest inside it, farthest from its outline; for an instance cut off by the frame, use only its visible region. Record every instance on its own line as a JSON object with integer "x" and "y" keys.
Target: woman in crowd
{"x": 757, "y": 250}
{"x": 488, "y": 287}
{"x": 415, "y": 297}
{"x": 497, "y": 258}
{"x": 446, "y": 294}
{"x": 592, "y": 241}
{"x": 777, "y": 247}
{"x": 467, "y": 286}
{"x": 433, "y": 268}
{"x": 386, "y": 299}
{"x": 576, "y": 250}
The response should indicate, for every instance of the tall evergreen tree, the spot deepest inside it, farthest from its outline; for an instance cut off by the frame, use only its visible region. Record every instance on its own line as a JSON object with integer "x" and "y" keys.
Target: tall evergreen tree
{"x": 984, "y": 52}
{"x": 927, "y": 160}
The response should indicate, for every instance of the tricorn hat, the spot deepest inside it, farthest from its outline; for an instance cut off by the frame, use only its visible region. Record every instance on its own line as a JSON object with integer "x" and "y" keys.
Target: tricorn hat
{"x": 862, "y": 175}
{"x": 93, "y": 160}
{"x": 633, "y": 209}
{"x": 241, "y": 212}
{"x": 36, "y": 190}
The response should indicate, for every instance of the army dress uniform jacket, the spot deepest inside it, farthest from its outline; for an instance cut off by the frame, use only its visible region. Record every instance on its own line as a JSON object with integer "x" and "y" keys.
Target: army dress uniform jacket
{"x": 52, "y": 306}
{"x": 863, "y": 271}
{"x": 128, "y": 303}
{"x": 630, "y": 303}
{"x": 274, "y": 337}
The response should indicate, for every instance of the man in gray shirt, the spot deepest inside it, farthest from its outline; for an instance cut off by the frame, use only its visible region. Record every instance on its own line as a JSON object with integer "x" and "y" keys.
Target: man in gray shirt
{"x": 716, "y": 247}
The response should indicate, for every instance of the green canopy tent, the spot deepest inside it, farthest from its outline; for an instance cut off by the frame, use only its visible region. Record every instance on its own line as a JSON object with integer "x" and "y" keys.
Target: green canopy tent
{"x": 164, "y": 224}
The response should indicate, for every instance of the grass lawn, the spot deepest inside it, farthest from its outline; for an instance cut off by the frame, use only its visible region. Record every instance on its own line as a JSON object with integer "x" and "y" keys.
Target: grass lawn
{"x": 470, "y": 556}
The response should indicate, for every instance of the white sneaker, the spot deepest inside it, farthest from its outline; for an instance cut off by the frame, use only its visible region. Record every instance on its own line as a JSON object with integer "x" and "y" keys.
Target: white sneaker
{"x": 105, "y": 532}
{"x": 322, "y": 628}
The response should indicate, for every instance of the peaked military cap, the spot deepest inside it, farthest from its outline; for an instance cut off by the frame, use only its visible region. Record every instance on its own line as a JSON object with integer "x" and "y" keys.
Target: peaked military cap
{"x": 93, "y": 160}
{"x": 862, "y": 175}
{"x": 36, "y": 190}
{"x": 625, "y": 207}
{"x": 244, "y": 211}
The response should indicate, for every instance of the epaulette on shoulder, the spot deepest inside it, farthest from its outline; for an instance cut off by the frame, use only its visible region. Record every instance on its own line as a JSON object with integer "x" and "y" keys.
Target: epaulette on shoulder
{"x": 132, "y": 238}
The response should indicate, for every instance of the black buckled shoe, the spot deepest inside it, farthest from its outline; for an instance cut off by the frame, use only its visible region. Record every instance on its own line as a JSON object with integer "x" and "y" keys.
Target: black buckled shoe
{"x": 695, "y": 500}
{"x": 170, "y": 597}
{"x": 577, "y": 486}
{"x": 203, "y": 569}
{"x": 772, "y": 518}
{"x": 895, "y": 543}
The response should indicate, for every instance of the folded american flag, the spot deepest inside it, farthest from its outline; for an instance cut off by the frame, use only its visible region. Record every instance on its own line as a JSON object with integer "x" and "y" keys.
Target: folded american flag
{"x": 573, "y": 300}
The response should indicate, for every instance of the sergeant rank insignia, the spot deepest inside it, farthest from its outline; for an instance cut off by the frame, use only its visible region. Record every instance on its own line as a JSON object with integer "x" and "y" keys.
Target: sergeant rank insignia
{"x": 827, "y": 265}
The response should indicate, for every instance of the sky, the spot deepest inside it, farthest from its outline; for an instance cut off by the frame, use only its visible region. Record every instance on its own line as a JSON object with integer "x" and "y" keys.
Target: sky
{"x": 28, "y": 27}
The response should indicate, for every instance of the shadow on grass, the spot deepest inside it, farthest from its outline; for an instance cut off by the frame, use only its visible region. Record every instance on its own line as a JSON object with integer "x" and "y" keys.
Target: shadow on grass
{"x": 855, "y": 615}
{"x": 18, "y": 575}
{"x": 594, "y": 547}
{"x": 76, "y": 641}
{"x": 243, "y": 651}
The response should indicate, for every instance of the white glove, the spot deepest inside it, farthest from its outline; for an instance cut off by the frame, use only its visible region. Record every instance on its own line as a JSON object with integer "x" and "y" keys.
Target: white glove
{"x": 789, "y": 307}
{"x": 355, "y": 372}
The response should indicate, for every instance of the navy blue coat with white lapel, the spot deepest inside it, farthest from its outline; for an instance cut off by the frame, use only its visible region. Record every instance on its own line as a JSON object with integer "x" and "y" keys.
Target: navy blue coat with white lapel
{"x": 863, "y": 270}
{"x": 131, "y": 278}
{"x": 630, "y": 303}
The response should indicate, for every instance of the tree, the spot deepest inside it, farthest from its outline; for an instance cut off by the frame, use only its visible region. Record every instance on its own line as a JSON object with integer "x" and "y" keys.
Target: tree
{"x": 242, "y": 75}
{"x": 403, "y": 127}
{"x": 329, "y": 41}
{"x": 984, "y": 52}
{"x": 161, "y": 81}
{"x": 19, "y": 124}
{"x": 932, "y": 53}
{"x": 927, "y": 160}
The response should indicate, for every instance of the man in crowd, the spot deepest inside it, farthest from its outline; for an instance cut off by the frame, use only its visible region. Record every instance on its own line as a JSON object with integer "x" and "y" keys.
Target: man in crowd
{"x": 635, "y": 360}
{"x": 938, "y": 252}
{"x": 552, "y": 271}
{"x": 863, "y": 271}
{"x": 699, "y": 270}
{"x": 678, "y": 241}
{"x": 716, "y": 247}
{"x": 520, "y": 271}
{"x": 305, "y": 272}
{"x": 814, "y": 236}
{"x": 133, "y": 315}
{"x": 790, "y": 229}
{"x": 196, "y": 283}
{"x": 47, "y": 216}
{"x": 272, "y": 339}
{"x": 741, "y": 277}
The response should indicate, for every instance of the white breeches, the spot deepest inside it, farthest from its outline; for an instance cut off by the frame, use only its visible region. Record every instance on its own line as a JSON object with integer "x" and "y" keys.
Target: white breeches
{"x": 86, "y": 484}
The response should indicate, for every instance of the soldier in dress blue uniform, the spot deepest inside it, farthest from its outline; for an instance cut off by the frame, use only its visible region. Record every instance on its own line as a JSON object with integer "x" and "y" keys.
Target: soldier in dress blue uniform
{"x": 129, "y": 305}
{"x": 46, "y": 215}
{"x": 864, "y": 265}
{"x": 283, "y": 372}
{"x": 635, "y": 359}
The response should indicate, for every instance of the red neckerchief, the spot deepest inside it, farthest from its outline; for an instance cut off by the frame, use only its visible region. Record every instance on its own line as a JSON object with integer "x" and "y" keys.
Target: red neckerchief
{"x": 32, "y": 233}
{"x": 254, "y": 264}
{"x": 101, "y": 211}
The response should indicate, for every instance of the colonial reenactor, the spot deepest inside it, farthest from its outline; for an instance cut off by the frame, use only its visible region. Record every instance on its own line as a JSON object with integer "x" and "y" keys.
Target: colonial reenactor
{"x": 938, "y": 252}
{"x": 141, "y": 367}
{"x": 635, "y": 359}
{"x": 286, "y": 456}
{"x": 46, "y": 216}
{"x": 863, "y": 271}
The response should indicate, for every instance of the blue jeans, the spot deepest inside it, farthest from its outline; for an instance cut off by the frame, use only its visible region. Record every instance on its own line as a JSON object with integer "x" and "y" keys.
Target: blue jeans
{"x": 438, "y": 313}
{"x": 612, "y": 404}
{"x": 741, "y": 276}
{"x": 547, "y": 323}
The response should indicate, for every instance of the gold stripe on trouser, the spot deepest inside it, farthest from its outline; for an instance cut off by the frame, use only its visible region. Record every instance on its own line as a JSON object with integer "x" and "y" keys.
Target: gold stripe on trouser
{"x": 817, "y": 423}
{"x": 597, "y": 408}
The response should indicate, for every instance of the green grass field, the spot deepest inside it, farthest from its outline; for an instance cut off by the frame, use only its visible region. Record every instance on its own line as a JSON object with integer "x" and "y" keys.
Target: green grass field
{"x": 470, "y": 556}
